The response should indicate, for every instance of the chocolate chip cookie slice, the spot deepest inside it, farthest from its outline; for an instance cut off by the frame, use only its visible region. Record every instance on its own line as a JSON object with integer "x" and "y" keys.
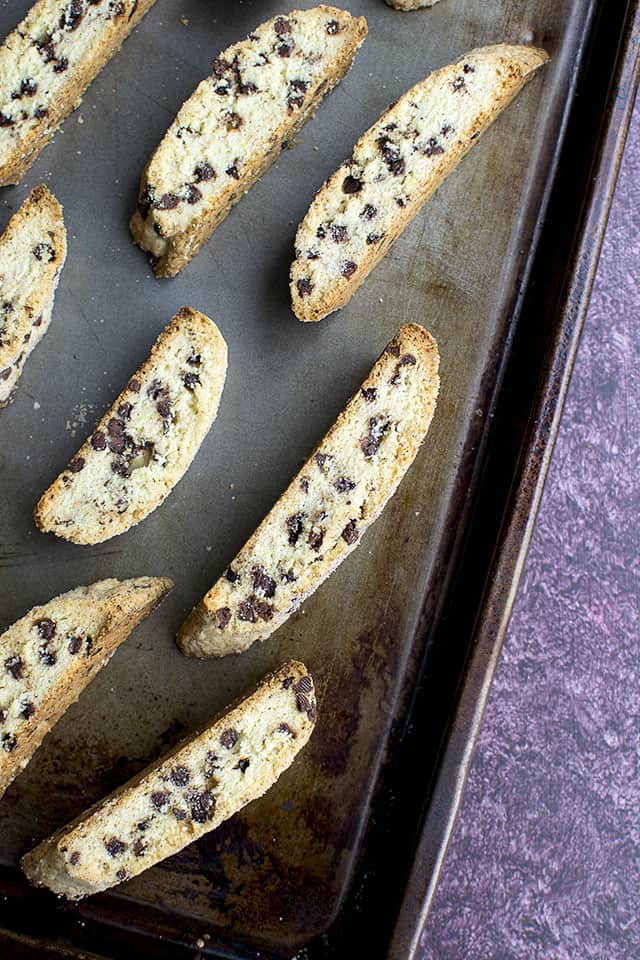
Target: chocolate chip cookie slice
{"x": 336, "y": 496}
{"x": 261, "y": 92}
{"x": 49, "y": 656}
{"x": 47, "y": 63}
{"x": 200, "y": 784}
{"x": 33, "y": 249}
{"x": 145, "y": 443}
{"x": 394, "y": 169}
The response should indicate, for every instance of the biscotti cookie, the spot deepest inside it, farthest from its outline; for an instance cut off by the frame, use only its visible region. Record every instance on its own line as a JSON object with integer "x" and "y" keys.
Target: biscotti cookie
{"x": 194, "y": 789}
{"x": 233, "y": 127}
{"x": 47, "y": 63}
{"x": 33, "y": 249}
{"x": 146, "y": 441}
{"x": 329, "y": 505}
{"x": 395, "y": 167}
{"x": 410, "y": 4}
{"x": 50, "y": 655}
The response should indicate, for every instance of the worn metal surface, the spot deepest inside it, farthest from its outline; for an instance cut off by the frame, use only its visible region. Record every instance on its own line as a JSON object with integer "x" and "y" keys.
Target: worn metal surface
{"x": 276, "y": 875}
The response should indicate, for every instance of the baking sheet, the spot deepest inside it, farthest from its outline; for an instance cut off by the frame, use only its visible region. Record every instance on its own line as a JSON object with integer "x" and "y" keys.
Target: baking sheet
{"x": 276, "y": 875}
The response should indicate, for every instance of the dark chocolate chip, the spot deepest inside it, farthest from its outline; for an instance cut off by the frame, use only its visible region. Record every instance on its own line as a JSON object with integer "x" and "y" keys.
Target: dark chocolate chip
{"x": 242, "y": 765}
{"x": 44, "y": 251}
{"x": 180, "y": 775}
{"x": 211, "y": 764}
{"x": 321, "y": 459}
{"x": 9, "y": 742}
{"x": 134, "y": 385}
{"x": 233, "y": 172}
{"x": 348, "y": 268}
{"x": 285, "y": 728}
{"x": 75, "y": 644}
{"x": 231, "y": 575}
{"x": 339, "y": 233}
{"x": 6, "y": 121}
{"x": 467, "y": 68}
{"x": 378, "y": 427}
{"x": 282, "y": 26}
{"x": 28, "y": 709}
{"x": 283, "y": 50}
{"x": 315, "y": 538}
{"x": 305, "y": 286}
{"x": 121, "y": 874}
{"x": 139, "y": 847}
{"x": 433, "y": 148}
{"x": 287, "y": 682}
{"x": 304, "y": 484}
{"x": 14, "y": 666}
{"x": 223, "y": 616}
{"x": 47, "y": 656}
{"x": 115, "y": 847}
{"x": 391, "y": 156}
{"x": 332, "y": 27}
{"x": 40, "y": 112}
{"x": 159, "y": 799}
{"x": 263, "y": 582}
{"x": 373, "y": 238}
{"x": 295, "y": 525}
{"x": 369, "y": 211}
{"x": 77, "y": 465}
{"x": 179, "y": 814}
{"x": 124, "y": 410}
{"x": 321, "y": 233}
{"x": 229, "y": 738}
{"x": 74, "y": 858}
{"x": 5, "y": 374}
{"x": 46, "y": 628}
{"x": 458, "y": 83}
{"x": 263, "y": 609}
{"x": 393, "y": 349}
{"x": 143, "y": 824}
{"x": 350, "y": 534}
{"x": 344, "y": 484}
{"x": 164, "y": 409}
{"x": 202, "y": 805}
{"x": 351, "y": 185}
{"x": 168, "y": 201}
{"x": 204, "y": 171}
{"x": 190, "y": 380}
{"x": 247, "y": 611}
{"x": 219, "y": 67}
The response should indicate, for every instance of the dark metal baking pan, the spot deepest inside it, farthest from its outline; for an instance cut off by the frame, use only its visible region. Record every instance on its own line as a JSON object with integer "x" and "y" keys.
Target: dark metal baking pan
{"x": 341, "y": 857}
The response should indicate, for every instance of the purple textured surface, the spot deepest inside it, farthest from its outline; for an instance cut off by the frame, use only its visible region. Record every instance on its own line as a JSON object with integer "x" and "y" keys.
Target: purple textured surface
{"x": 544, "y": 862}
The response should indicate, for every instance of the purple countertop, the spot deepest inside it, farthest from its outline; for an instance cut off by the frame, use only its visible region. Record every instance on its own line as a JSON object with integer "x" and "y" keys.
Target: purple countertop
{"x": 544, "y": 862}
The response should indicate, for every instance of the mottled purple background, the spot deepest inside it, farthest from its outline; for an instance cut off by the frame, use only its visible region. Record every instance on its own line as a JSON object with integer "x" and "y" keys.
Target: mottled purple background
{"x": 544, "y": 863}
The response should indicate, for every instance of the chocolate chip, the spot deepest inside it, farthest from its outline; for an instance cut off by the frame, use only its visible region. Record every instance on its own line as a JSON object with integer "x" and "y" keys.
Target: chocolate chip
{"x": 283, "y": 50}
{"x": 3, "y": 716}
{"x": 180, "y": 775}
{"x": 315, "y": 538}
{"x": 233, "y": 120}
{"x": 221, "y": 90}
{"x": 332, "y": 27}
{"x": 263, "y": 609}
{"x": 164, "y": 409}
{"x": 6, "y": 121}
{"x": 304, "y": 484}
{"x": 229, "y": 738}
{"x": 339, "y": 233}
{"x": 263, "y": 582}
{"x": 219, "y": 67}
{"x": 61, "y": 65}
{"x": 393, "y": 349}
{"x": 44, "y": 251}
{"x": 351, "y": 185}
{"x": 115, "y": 847}
{"x": 46, "y": 628}
{"x": 89, "y": 644}
{"x": 38, "y": 321}
{"x": 134, "y": 385}
{"x": 159, "y": 799}
{"x": 247, "y": 611}
{"x": 305, "y": 286}
{"x": 373, "y": 238}
{"x": 295, "y": 527}
{"x": 223, "y": 616}
{"x": 124, "y": 411}
{"x": 202, "y": 805}
{"x": 289, "y": 576}
{"x": 282, "y": 26}
{"x": 458, "y": 84}
{"x": 77, "y": 465}
{"x": 204, "y": 171}
{"x": 285, "y": 728}
{"x": 231, "y": 575}
{"x": 121, "y": 874}
{"x": 5, "y": 374}
{"x": 74, "y": 858}
{"x": 321, "y": 233}
{"x": 120, "y": 468}
{"x": 195, "y": 360}
{"x": 344, "y": 484}
{"x": 446, "y": 130}
{"x": 321, "y": 459}
{"x": 27, "y": 89}
{"x": 242, "y": 765}
{"x": 391, "y": 156}
{"x": 168, "y": 201}
{"x": 190, "y": 380}
{"x": 28, "y": 710}
{"x": 433, "y": 148}
{"x": 139, "y": 847}
{"x": 233, "y": 172}
{"x": 75, "y": 645}
{"x": 467, "y": 68}
{"x": 348, "y": 268}
{"x": 378, "y": 427}
{"x": 9, "y": 742}
{"x": 287, "y": 682}
{"x": 179, "y": 814}
{"x": 14, "y": 666}
{"x": 71, "y": 18}
{"x": 350, "y": 534}
{"x": 40, "y": 112}
{"x": 47, "y": 656}
{"x": 408, "y": 360}
{"x": 143, "y": 824}
{"x": 211, "y": 764}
